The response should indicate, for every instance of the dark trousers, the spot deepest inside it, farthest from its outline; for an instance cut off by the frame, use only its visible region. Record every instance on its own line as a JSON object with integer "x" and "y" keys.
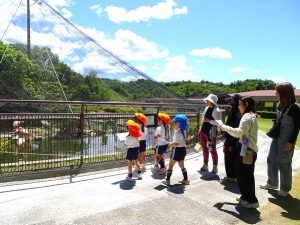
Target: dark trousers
{"x": 245, "y": 179}
{"x": 230, "y": 159}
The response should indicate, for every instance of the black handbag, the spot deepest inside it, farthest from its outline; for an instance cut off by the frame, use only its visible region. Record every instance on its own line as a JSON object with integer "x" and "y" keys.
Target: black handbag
{"x": 274, "y": 132}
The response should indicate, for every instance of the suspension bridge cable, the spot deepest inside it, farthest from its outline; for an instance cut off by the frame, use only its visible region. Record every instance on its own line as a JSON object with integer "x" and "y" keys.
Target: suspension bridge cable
{"x": 55, "y": 73}
{"x": 108, "y": 56}
{"x": 4, "y": 53}
{"x": 120, "y": 62}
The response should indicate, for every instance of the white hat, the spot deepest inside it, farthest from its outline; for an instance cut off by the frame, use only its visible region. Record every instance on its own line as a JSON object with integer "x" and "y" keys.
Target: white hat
{"x": 211, "y": 98}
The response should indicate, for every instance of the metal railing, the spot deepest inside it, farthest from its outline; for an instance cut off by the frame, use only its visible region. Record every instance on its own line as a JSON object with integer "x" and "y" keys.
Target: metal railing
{"x": 37, "y": 142}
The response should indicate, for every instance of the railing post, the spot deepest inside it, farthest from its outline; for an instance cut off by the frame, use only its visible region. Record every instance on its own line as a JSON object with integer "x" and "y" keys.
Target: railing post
{"x": 81, "y": 127}
{"x": 198, "y": 119}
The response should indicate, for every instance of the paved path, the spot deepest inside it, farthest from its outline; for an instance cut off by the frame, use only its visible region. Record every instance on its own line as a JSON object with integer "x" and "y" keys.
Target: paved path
{"x": 105, "y": 198}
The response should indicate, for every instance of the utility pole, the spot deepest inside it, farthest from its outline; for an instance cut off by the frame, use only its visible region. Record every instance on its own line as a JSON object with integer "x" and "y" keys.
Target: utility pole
{"x": 28, "y": 30}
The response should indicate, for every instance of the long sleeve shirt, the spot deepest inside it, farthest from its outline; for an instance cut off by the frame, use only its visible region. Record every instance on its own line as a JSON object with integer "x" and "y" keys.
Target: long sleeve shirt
{"x": 248, "y": 127}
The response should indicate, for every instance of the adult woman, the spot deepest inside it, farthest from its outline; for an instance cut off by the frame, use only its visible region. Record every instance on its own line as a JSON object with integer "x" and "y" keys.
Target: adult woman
{"x": 282, "y": 148}
{"x": 232, "y": 145}
{"x": 247, "y": 132}
{"x": 207, "y": 132}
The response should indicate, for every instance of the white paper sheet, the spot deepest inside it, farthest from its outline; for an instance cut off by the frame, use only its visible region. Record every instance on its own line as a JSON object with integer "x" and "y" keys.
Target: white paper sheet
{"x": 122, "y": 136}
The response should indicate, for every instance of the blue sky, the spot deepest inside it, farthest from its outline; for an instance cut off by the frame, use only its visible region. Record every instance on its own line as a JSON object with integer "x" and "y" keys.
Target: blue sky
{"x": 214, "y": 40}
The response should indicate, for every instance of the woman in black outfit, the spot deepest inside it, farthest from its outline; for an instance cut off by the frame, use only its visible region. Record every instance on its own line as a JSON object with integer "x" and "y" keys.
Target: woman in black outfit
{"x": 232, "y": 145}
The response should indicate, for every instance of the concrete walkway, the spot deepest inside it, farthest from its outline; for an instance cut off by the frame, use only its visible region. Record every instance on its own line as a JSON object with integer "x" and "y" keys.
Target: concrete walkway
{"x": 105, "y": 198}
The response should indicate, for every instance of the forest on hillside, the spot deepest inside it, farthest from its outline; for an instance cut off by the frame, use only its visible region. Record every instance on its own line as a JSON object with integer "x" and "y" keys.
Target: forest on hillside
{"x": 35, "y": 79}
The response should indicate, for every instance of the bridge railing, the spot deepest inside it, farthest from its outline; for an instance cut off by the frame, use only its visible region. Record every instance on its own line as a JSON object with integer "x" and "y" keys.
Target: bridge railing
{"x": 33, "y": 142}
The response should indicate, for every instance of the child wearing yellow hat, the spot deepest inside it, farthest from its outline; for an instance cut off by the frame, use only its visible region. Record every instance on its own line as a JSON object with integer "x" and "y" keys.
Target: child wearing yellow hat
{"x": 132, "y": 144}
{"x": 161, "y": 136}
{"x": 142, "y": 120}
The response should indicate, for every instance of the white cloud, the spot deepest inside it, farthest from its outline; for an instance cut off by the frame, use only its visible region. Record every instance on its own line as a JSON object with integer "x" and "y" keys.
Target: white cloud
{"x": 63, "y": 48}
{"x": 60, "y": 3}
{"x": 66, "y": 13}
{"x": 130, "y": 46}
{"x": 131, "y": 78}
{"x": 160, "y": 11}
{"x": 199, "y": 61}
{"x": 155, "y": 67}
{"x": 176, "y": 69}
{"x": 215, "y": 52}
{"x": 62, "y": 31}
{"x": 97, "y": 9}
{"x": 141, "y": 68}
{"x": 236, "y": 70}
{"x": 93, "y": 60}
{"x": 80, "y": 52}
{"x": 127, "y": 45}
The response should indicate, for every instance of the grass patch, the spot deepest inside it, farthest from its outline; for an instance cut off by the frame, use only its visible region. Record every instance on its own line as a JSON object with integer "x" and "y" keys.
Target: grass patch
{"x": 265, "y": 124}
{"x": 283, "y": 210}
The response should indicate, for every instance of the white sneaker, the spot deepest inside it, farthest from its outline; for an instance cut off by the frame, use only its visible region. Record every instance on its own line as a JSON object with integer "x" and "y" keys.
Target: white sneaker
{"x": 129, "y": 178}
{"x": 268, "y": 187}
{"x": 282, "y": 193}
{"x": 250, "y": 205}
{"x": 240, "y": 200}
{"x": 139, "y": 176}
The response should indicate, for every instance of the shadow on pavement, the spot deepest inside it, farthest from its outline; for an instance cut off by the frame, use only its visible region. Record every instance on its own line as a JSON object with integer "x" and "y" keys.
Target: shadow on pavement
{"x": 290, "y": 205}
{"x": 174, "y": 188}
{"x": 177, "y": 188}
{"x": 231, "y": 187}
{"x": 127, "y": 185}
{"x": 250, "y": 216}
{"x": 208, "y": 176}
{"x": 157, "y": 176}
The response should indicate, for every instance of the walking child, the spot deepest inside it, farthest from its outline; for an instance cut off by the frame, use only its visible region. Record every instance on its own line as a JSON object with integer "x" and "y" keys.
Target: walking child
{"x": 142, "y": 120}
{"x": 179, "y": 152}
{"x": 132, "y": 144}
{"x": 161, "y": 137}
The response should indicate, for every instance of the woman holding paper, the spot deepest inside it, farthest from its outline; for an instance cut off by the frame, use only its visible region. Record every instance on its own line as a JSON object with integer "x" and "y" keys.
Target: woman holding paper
{"x": 247, "y": 133}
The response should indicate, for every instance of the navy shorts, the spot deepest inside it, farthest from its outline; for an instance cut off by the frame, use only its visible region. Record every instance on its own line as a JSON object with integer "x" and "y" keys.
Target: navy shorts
{"x": 142, "y": 146}
{"x": 178, "y": 154}
{"x": 161, "y": 149}
{"x": 132, "y": 153}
